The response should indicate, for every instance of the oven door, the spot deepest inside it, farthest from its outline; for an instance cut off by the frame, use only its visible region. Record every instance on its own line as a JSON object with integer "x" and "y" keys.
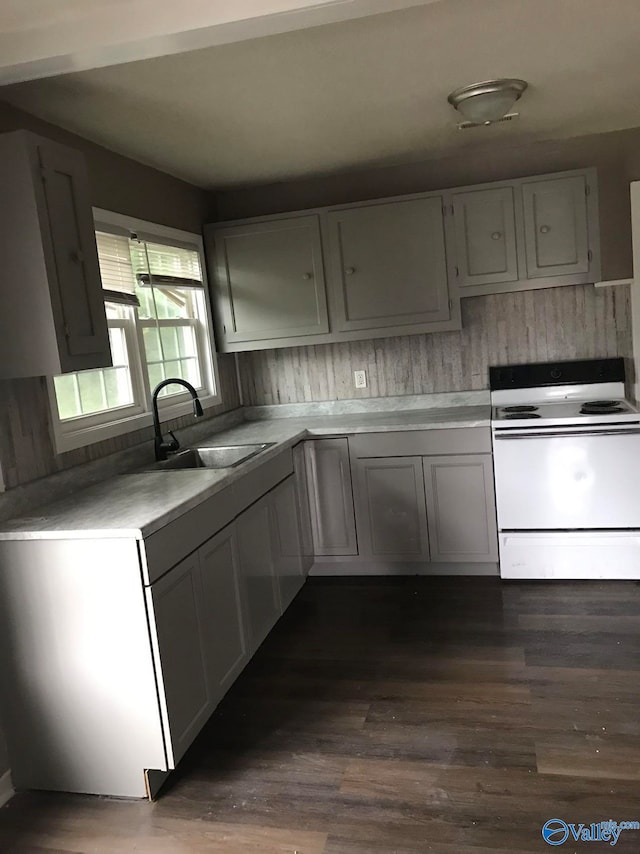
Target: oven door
{"x": 568, "y": 478}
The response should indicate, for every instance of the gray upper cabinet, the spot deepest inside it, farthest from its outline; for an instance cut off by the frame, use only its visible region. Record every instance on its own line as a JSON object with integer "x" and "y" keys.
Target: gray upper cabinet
{"x": 389, "y": 266}
{"x": 461, "y": 508}
{"x": 390, "y": 508}
{"x": 331, "y": 497}
{"x": 269, "y": 280}
{"x": 527, "y": 233}
{"x": 399, "y": 266}
{"x": 53, "y": 313}
{"x": 556, "y": 227}
{"x": 485, "y": 230}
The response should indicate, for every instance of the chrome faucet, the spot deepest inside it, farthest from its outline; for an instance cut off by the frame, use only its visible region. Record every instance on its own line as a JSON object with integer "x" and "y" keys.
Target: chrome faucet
{"x": 162, "y": 448}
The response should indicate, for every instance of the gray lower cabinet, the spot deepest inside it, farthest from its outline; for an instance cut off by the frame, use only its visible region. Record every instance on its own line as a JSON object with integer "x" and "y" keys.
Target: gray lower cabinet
{"x": 255, "y": 549}
{"x": 107, "y": 697}
{"x": 424, "y": 496}
{"x": 176, "y": 600}
{"x": 200, "y": 639}
{"x": 49, "y": 262}
{"x": 286, "y": 538}
{"x": 79, "y": 687}
{"x": 331, "y": 497}
{"x": 389, "y": 266}
{"x": 390, "y": 508}
{"x": 304, "y": 510}
{"x": 269, "y": 280}
{"x": 224, "y": 614}
{"x": 461, "y": 508}
{"x": 485, "y": 229}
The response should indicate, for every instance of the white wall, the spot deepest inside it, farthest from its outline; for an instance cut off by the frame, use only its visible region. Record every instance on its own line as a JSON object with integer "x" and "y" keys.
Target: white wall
{"x": 635, "y": 285}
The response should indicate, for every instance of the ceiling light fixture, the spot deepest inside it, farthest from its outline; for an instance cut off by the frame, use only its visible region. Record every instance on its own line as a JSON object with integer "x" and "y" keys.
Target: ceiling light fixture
{"x": 488, "y": 102}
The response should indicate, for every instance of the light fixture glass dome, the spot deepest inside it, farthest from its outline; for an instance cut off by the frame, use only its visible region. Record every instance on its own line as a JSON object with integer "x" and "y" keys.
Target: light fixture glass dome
{"x": 487, "y": 102}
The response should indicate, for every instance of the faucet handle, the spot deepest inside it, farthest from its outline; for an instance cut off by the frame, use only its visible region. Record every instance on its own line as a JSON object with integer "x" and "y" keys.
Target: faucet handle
{"x": 174, "y": 444}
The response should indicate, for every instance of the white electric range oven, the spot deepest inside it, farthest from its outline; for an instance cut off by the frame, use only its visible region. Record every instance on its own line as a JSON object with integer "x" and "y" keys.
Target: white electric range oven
{"x": 566, "y": 448}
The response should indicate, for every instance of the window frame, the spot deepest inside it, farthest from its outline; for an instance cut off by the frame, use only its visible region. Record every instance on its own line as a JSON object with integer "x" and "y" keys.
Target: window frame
{"x": 89, "y": 429}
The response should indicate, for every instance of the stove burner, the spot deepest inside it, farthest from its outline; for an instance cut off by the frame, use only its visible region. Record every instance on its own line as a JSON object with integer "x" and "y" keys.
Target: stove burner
{"x": 601, "y": 407}
{"x": 512, "y": 415}
{"x": 519, "y": 408}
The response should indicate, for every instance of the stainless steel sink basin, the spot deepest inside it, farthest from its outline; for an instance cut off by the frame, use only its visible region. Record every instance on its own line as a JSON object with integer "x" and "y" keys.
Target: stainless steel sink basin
{"x": 215, "y": 457}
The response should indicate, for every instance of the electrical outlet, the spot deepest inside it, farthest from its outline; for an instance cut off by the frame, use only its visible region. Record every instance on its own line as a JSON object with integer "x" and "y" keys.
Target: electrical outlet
{"x": 360, "y": 379}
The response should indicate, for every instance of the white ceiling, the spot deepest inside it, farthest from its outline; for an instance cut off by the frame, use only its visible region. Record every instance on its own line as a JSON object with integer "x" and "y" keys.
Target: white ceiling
{"x": 356, "y": 93}
{"x": 44, "y": 38}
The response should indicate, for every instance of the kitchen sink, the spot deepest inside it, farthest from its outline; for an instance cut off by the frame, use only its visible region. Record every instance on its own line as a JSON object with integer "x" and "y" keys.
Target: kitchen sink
{"x": 214, "y": 457}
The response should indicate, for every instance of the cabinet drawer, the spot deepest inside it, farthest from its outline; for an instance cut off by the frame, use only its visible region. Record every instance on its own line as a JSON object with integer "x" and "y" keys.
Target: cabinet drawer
{"x": 255, "y": 483}
{"x": 457, "y": 440}
{"x": 170, "y": 544}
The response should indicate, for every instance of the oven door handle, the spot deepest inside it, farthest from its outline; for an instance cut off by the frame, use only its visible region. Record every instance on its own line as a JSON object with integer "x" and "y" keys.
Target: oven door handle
{"x": 548, "y": 434}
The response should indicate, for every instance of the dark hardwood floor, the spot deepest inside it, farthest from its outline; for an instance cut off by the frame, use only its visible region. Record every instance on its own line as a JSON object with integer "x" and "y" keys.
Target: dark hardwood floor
{"x": 398, "y": 715}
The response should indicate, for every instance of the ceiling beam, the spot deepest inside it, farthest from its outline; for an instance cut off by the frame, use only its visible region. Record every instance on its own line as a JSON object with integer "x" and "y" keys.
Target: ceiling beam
{"x": 68, "y": 36}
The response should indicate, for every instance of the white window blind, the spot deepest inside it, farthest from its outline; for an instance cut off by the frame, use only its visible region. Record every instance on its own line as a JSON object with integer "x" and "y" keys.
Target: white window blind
{"x": 116, "y": 270}
{"x": 161, "y": 266}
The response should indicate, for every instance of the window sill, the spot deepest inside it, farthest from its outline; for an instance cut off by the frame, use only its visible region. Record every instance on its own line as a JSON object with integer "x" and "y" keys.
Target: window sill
{"x": 70, "y": 441}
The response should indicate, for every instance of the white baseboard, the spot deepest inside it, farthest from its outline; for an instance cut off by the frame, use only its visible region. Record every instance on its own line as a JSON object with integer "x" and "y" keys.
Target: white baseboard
{"x": 6, "y": 788}
{"x": 346, "y": 567}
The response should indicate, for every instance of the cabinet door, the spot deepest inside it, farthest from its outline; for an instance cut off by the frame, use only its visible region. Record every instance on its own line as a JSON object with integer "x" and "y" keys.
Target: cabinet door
{"x": 255, "y": 549}
{"x": 484, "y": 222}
{"x": 270, "y": 279}
{"x": 391, "y": 514}
{"x": 389, "y": 264}
{"x": 227, "y": 649}
{"x": 287, "y": 545}
{"x": 461, "y": 508}
{"x": 76, "y": 288}
{"x": 304, "y": 512}
{"x": 180, "y": 655}
{"x": 331, "y": 497}
{"x": 556, "y": 226}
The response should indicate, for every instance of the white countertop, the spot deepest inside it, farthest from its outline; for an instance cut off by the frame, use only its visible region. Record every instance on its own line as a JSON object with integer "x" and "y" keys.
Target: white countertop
{"x": 140, "y": 503}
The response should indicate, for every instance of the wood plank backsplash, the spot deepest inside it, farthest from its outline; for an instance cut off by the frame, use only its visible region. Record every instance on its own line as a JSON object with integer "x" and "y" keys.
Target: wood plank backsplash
{"x": 556, "y": 323}
{"x": 26, "y": 443}
{"x": 541, "y": 325}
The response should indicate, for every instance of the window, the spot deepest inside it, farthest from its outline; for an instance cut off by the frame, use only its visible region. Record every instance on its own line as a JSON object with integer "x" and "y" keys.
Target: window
{"x": 159, "y": 327}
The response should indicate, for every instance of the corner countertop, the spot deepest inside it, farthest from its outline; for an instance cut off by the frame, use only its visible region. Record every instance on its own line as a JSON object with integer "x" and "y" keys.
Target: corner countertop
{"x": 138, "y": 504}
